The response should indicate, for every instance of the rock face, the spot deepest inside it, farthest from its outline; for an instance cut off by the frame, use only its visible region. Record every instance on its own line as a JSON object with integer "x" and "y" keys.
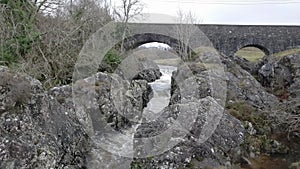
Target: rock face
{"x": 230, "y": 143}
{"x": 245, "y": 64}
{"x": 106, "y": 104}
{"x": 271, "y": 102}
{"x": 281, "y": 76}
{"x": 150, "y": 75}
{"x": 45, "y": 129}
{"x": 242, "y": 86}
{"x": 97, "y": 122}
{"x": 137, "y": 67}
{"x": 189, "y": 149}
{"x": 277, "y": 73}
{"x": 36, "y": 131}
{"x": 183, "y": 125}
{"x": 283, "y": 81}
{"x": 103, "y": 98}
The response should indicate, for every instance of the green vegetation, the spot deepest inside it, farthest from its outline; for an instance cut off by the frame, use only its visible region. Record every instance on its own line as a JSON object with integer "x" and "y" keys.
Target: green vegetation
{"x": 246, "y": 112}
{"x": 19, "y": 18}
{"x": 136, "y": 165}
{"x": 252, "y": 54}
{"x": 47, "y": 46}
{"x": 113, "y": 58}
{"x": 44, "y": 38}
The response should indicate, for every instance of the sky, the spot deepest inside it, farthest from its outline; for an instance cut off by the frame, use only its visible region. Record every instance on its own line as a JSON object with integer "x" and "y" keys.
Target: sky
{"x": 251, "y": 12}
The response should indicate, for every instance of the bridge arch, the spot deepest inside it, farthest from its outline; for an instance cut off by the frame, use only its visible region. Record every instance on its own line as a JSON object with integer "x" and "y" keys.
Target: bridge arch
{"x": 261, "y": 47}
{"x": 137, "y": 40}
{"x": 140, "y": 39}
{"x": 252, "y": 52}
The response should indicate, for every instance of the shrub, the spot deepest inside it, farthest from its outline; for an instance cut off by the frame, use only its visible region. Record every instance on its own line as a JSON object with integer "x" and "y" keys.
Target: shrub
{"x": 46, "y": 46}
{"x": 112, "y": 58}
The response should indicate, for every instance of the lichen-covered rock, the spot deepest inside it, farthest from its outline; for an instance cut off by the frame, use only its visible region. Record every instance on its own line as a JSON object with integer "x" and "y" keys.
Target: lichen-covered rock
{"x": 283, "y": 81}
{"x": 150, "y": 75}
{"x": 136, "y": 67}
{"x": 242, "y": 86}
{"x": 250, "y": 67}
{"x": 109, "y": 95}
{"x": 41, "y": 129}
{"x": 109, "y": 105}
{"x": 281, "y": 75}
{"x": 183, "y": 146}
{"x": 194, "y": 130}
{"x": 35, "y": 130}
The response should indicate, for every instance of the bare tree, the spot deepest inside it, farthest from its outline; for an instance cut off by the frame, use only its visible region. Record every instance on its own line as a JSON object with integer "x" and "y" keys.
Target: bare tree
{"x": 184, "y": 31}
{"x": 47, "y": 6}
{"x": 126, "y": 12}
{"x": 63, "y": 31}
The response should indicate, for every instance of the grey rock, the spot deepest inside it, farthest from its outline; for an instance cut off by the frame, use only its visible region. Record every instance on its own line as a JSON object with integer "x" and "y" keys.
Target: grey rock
{"x": 245, "y": 64}
{"x": 99, "y": 95}
{"x": 136, "y": 67}
{"x": 197, "y": 95}
{"x": 223, "y": 142}
{"x": 280, "y": 73}
{"x": 250, "y": 129}
{"x": 107, "y": 105}
{"x": 266, "y": 70}
{"x": 150, "y": 75}
{"x": 36, "y": 131}
{"x": 41, "y": 129}
{"x": 243, "y": 87}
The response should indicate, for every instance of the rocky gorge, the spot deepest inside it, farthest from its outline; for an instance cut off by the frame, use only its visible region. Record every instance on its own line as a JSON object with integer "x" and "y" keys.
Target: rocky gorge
{"x": 215, "y": 119}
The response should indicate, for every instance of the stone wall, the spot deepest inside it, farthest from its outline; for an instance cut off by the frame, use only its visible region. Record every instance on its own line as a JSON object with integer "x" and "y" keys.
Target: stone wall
{"x": 227, "y": 39}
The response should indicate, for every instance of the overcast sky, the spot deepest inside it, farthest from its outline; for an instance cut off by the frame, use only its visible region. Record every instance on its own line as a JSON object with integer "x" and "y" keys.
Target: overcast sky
{"x": 282, "y": 12}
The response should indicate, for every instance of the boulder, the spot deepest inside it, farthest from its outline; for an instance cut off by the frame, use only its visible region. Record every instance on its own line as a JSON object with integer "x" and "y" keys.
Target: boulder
{"x": 58, "y": 128}
{"x": 35, "y": 130}
{"x": 280, "y": 75}
{"x": 243, "y": 87}
{"x": 194, "y": 130}
{"x": 106, "y": 105}
{"x": 136, "y": 67}
{"x": 174, "y": 144}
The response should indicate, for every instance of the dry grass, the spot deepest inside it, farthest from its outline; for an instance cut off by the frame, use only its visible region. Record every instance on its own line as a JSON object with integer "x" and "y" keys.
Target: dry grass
{"x": 287, "y": 52}
{"x": 168, "y": 62}
{"x": 204, "y": 49}
{"x": 252, "y": 54}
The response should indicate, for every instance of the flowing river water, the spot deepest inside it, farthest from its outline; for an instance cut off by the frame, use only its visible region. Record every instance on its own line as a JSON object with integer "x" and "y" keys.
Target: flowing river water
{"x": 117, "y": 150}
{"x": 161, "y": 93}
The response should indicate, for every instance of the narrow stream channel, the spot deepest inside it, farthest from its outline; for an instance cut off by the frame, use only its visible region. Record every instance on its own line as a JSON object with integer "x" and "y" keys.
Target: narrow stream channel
{"x": 122, "y": 145}
{"x": 161, "y": 93}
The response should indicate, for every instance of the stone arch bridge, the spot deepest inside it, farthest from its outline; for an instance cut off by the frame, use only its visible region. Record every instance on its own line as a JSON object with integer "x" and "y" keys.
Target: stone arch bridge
{"x": 227, "y": 39}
